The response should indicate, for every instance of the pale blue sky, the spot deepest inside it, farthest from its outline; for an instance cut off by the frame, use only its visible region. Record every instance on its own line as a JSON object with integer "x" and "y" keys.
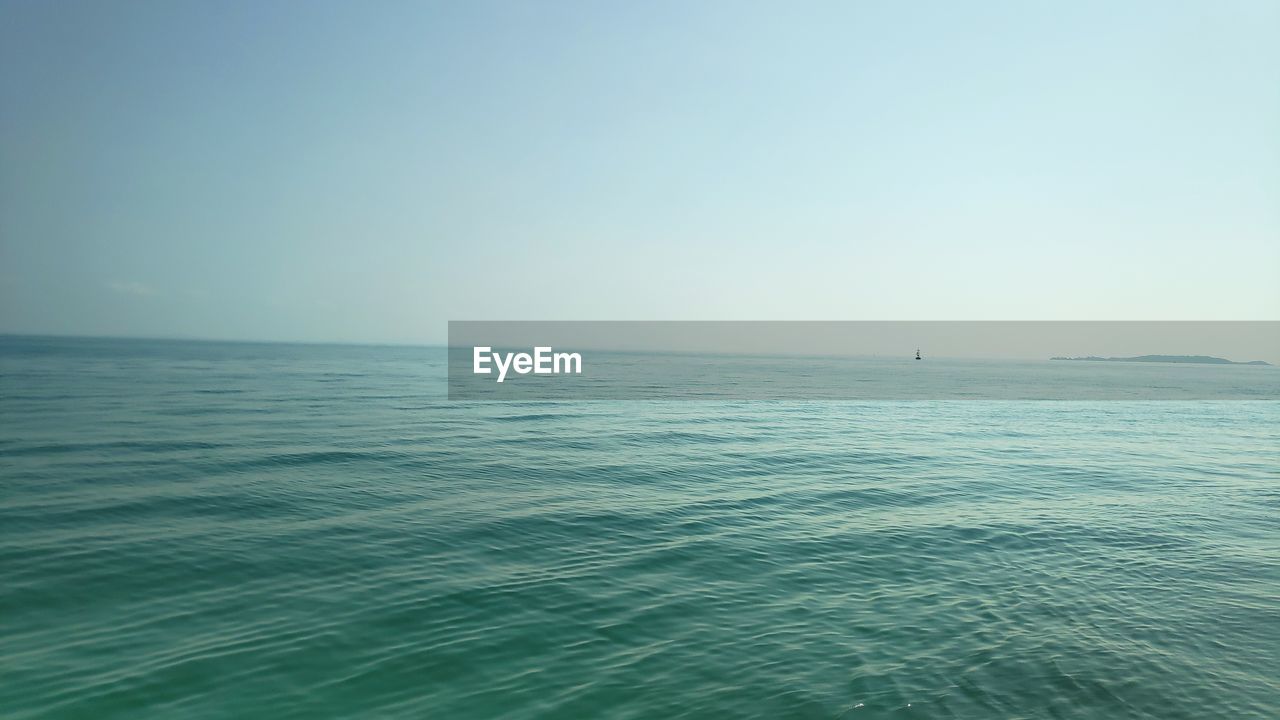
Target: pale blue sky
{"x": 367, "y": 171}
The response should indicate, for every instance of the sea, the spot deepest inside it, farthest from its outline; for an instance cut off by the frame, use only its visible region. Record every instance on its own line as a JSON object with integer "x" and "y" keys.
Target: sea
{"x": 237, "y": 530}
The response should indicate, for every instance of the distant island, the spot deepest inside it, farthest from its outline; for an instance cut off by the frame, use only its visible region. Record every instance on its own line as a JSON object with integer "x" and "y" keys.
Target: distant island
{"x": 1196, "y": 359}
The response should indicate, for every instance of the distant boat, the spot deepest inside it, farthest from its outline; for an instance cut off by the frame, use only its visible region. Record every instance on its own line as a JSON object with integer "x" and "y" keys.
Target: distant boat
{"x": 917, "y": 353}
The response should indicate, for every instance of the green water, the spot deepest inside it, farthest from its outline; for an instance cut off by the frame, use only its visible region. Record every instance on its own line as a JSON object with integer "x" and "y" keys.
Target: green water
{"x": 199, "y": 530}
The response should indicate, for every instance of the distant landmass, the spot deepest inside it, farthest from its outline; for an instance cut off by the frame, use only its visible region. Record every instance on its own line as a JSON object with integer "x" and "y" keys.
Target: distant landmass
{"x": 1196, "y": 359}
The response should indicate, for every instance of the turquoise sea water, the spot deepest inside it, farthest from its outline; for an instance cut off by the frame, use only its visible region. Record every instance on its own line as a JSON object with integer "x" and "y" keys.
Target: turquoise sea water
{"x": 206, "y": 530}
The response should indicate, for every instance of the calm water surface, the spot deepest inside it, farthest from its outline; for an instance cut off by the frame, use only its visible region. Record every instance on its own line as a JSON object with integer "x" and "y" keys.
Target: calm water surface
{"x": 204, "y": 530}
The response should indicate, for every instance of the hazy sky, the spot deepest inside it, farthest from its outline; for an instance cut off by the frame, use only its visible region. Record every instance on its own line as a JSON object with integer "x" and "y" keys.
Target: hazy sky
{"x": 367, "y": 171}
